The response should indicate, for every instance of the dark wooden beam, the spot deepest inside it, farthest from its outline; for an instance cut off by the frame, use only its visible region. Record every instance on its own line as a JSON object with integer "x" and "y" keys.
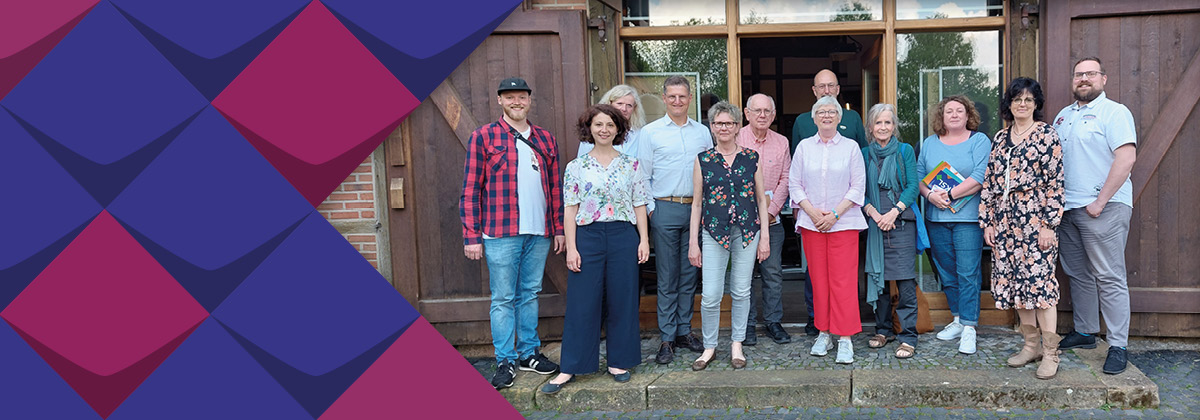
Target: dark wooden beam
{"x": 1154, "y": 145}
{"x": 450, "y": 103}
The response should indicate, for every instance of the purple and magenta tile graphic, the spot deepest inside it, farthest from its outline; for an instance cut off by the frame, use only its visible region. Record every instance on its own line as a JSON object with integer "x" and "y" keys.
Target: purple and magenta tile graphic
{"x": 130, "y": 290}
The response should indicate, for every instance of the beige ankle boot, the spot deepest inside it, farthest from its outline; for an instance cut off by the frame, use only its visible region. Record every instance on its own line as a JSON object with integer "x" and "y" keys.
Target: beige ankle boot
{"x": 1049, "y": 366}
{"x": 1032, "y": 350}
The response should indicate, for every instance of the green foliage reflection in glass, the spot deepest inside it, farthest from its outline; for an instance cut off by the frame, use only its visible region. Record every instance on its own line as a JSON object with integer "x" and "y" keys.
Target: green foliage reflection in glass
{"x": 706, "y": 56}
{"x": 934, "y": 65}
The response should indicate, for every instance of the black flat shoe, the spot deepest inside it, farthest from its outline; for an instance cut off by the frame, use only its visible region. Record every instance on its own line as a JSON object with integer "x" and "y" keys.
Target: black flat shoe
{"x": 553, "y": 388}
{"x": 620, "y": 377}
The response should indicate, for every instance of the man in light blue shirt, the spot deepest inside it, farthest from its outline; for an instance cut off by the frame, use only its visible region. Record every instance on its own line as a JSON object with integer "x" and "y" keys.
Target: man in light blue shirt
{"x": 667, "y": 149}
{"x": 1099, "y": 143}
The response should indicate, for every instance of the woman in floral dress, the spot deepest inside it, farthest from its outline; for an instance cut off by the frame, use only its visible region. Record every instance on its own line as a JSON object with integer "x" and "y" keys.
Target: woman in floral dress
{"x": 732, "y": 206}
{"x": 604, "y": 196}
{"x": 1021, "y": 205}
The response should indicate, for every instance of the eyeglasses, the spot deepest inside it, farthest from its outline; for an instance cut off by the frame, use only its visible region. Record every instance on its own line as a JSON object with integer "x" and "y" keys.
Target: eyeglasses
{"x": 763, "y": 111}
{"x": 724, "y": 124}
{"x": 826, "y": 86}
{"x": 1025, "y": 100}
{"x": 826, "y": 113}
{"x": 1088, "y": 74}
{"x": 677, "y": 98}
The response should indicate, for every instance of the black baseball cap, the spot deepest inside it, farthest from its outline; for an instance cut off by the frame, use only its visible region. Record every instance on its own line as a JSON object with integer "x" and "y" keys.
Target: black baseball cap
{"x": 513, "y": 83}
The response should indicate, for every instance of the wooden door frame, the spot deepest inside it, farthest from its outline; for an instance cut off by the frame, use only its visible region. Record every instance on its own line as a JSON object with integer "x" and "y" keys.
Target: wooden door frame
{"x": 451, "y": 105}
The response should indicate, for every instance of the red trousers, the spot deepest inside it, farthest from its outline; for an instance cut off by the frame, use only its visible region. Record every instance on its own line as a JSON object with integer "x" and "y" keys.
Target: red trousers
{"x": 833, "y": 271}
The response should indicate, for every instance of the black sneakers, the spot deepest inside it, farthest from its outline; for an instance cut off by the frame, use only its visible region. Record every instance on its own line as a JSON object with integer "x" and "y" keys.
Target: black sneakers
{"x": 1075, "y": 340}
{"x": 538, "y": 363}
{"x": 1117, "y": 360}
{"x": 504, "y": 375}
{"x": 811, "y": 330}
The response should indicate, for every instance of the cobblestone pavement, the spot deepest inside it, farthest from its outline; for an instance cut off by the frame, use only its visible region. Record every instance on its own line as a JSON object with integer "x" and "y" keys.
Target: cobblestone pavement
{"x": 1175, "y": 368}
{"x": 994, "y": 345}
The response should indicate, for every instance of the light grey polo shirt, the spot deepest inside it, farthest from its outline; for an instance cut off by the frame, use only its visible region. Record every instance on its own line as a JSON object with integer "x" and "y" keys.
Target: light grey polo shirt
{"x": 1089, "y": 135}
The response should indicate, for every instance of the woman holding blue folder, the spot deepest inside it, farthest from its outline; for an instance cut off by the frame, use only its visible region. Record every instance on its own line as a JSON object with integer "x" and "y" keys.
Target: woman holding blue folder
{"x": 955, "y": 238}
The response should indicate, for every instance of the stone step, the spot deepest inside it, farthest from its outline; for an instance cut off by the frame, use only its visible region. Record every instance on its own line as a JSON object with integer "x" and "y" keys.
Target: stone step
{"x": 785, "y": 376}
{"x": 1007, "y": 388}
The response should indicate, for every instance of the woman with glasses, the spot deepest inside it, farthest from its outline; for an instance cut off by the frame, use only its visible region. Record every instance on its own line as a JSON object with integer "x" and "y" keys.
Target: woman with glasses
{"x": 732, "y": 207}
{"x": 625, "y": 99}
{"x": 827, "y": 182}
{"x": 892, "y": 229}
{"x": 955, "y": 238}
{"x": 1022, "y": 203}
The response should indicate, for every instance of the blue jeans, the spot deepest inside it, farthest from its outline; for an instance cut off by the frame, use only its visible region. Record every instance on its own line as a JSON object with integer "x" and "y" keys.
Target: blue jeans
{"x": 957, "y": 249}
{"x": 515, "y": 268}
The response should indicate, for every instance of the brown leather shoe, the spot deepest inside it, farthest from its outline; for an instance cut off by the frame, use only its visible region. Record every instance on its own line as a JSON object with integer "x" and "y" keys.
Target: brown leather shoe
{"x": 666, "y": 353}
{"x": 737, "y": 363}
{"x": 700, "y": 364}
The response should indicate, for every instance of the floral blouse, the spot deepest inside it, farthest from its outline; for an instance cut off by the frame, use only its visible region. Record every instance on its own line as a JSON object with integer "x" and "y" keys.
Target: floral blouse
{"x": 605, "y": 194}
{"x": 729, "y": 195}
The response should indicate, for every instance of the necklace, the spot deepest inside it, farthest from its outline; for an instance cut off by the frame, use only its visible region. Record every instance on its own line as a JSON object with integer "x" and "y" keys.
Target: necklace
{"x": 1021, "y": 132}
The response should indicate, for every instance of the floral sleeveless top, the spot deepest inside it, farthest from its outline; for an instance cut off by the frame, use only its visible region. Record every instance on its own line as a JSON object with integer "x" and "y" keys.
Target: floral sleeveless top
{"x": 729, "y": 195}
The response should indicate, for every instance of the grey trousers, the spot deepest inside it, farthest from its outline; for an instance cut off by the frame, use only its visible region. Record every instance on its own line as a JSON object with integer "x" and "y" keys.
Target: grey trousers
{"x": 768, "y": 285}
{"x": 676, "y": 276}
{"x": 1092, "y": 251}
{"x": 715, "y": 259}
{"x": 906, "y": 309}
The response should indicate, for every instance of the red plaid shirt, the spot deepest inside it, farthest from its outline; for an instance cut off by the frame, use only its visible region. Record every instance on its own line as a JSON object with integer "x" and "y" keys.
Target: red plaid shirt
{"x": 489, "y": 198}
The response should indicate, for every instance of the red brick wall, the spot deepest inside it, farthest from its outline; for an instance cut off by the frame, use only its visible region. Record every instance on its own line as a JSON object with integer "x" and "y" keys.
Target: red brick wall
{"x": 351, "y": 206}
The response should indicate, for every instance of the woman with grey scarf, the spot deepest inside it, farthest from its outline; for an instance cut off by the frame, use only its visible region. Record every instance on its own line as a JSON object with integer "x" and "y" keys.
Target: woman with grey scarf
{"x": 891, "y": 195}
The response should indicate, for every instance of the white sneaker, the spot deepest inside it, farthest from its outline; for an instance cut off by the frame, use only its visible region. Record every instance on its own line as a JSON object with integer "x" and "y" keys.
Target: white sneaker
{"x": 845, "y": 351}
{"x": 953, "y": 330}
{"x": 821, "y": 347}
{"x": 966, "y": 344}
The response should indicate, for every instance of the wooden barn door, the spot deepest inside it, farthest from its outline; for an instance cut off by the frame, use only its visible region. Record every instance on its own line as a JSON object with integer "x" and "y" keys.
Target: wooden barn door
{"x": 1150, "y": 53}
{"x": 425, "y": 167}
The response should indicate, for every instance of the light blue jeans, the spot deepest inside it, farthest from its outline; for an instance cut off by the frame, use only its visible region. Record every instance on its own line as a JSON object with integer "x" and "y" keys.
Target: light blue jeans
{"x": 515, "y": 268}
{"x": 957, "y": 249}
{"x": 715, "y": 259}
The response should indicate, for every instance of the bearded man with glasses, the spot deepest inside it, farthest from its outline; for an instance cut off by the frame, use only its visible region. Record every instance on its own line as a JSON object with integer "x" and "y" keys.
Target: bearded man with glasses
{"x": 1099, "y": 142}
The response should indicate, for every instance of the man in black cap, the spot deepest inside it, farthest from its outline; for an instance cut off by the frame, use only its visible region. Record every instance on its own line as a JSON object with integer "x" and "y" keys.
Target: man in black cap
{"x": 511, "y": 207}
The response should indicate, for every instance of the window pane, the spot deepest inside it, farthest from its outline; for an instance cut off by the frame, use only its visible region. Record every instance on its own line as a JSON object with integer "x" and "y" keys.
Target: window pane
{"x": 932, "y": 66}
{"x": 674, "y": 12}
{"x": 788, "y": 11}
{"x": 702, "y": 61}
{"x": 940, "y": 9}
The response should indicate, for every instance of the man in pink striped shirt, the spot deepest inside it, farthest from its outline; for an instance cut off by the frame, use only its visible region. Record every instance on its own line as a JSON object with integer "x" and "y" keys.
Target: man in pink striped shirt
{"x": 773, "y": 153}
